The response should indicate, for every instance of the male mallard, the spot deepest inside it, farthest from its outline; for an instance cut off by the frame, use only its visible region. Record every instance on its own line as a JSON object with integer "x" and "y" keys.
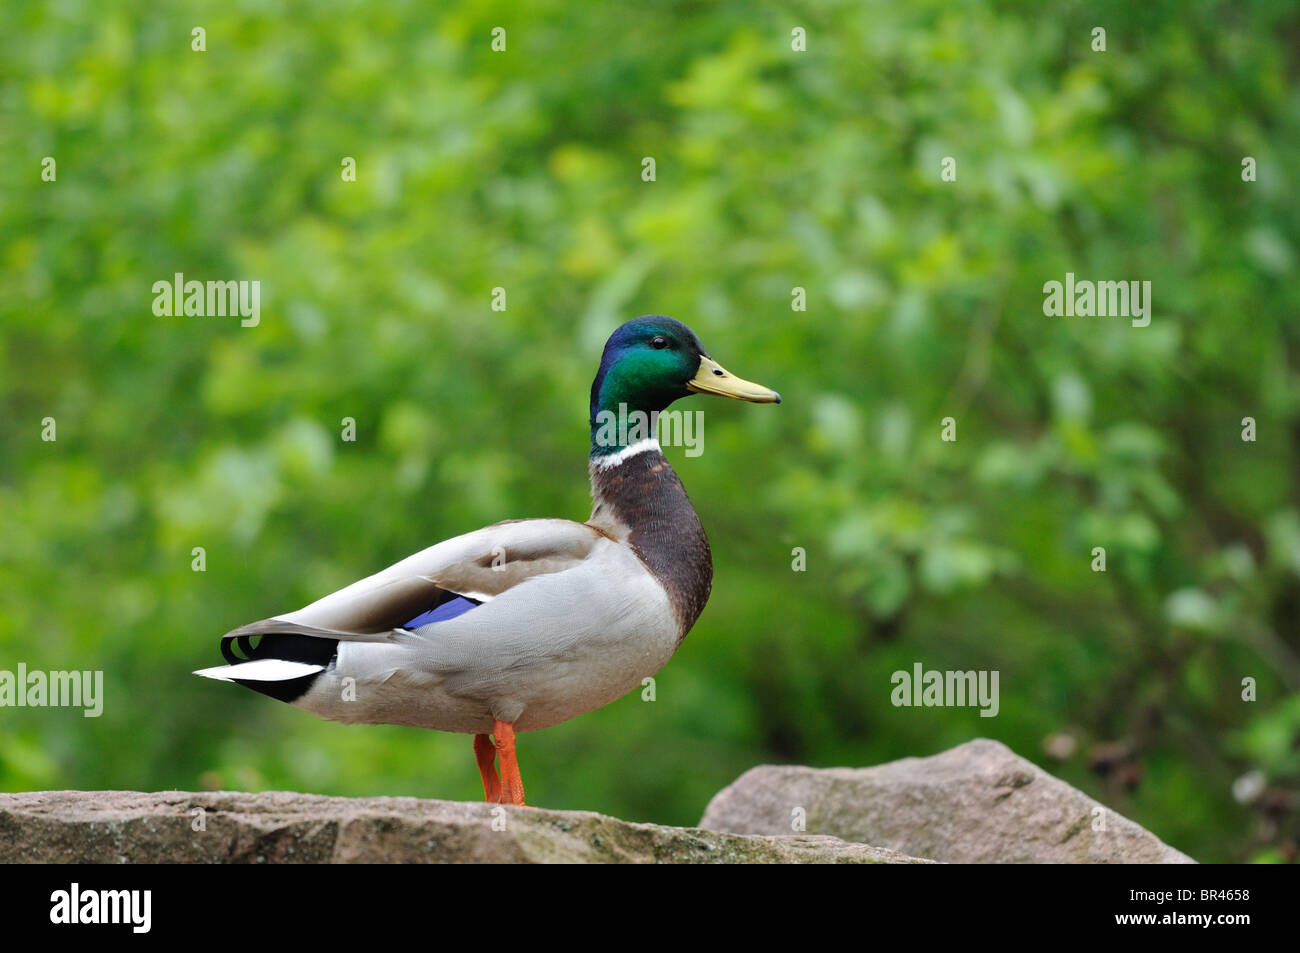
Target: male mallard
{"x": 526, "y": 623}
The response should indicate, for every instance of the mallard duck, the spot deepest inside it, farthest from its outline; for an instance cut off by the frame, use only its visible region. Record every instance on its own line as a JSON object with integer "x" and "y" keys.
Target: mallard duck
{"x": 525, "y": 623}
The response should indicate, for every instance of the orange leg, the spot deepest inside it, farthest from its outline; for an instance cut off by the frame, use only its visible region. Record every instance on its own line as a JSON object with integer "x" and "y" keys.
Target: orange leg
{"x": 486, "y": 755}
{"x": 512, "y": 785}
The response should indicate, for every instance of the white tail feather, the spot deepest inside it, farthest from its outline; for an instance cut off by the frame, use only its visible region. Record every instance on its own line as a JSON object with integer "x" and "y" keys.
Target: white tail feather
{"x": 261, "y": 670}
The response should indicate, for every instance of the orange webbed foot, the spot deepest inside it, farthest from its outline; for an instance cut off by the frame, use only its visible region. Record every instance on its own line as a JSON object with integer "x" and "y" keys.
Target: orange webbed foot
{"x": 485, "y": 753}
{"x": 512, "y": 785}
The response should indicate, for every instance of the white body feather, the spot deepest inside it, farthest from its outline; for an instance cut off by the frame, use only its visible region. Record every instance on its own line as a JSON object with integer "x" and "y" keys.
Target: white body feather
{"x": 578, "y": 621}
{"x": 545, "y": 651}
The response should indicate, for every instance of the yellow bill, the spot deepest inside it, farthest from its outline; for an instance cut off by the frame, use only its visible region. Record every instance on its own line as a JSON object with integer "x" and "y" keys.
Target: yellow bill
{"x": 713, "y": 378}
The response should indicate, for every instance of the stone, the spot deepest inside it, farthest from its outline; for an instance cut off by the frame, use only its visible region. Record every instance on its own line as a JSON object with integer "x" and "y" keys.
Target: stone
{"x": 109, "y": 827}
{"x": 977, "y": 803}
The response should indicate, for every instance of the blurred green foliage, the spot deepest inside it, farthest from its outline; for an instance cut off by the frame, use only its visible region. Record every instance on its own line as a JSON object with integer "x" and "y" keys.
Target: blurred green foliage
{"x": 775, "y": 169}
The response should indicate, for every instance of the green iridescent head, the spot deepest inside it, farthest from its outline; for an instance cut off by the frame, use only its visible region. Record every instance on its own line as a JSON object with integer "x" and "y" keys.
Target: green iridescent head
{"x": 653, "y": 360}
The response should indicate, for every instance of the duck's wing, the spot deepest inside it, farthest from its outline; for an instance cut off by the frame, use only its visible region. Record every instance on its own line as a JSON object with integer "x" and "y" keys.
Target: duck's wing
{"x": 433, "y": 584}
{"x": 478, "y": 566}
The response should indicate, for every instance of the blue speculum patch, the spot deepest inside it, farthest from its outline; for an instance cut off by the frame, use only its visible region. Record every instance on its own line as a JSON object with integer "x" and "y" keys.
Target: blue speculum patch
{"x": 448, "y": 610}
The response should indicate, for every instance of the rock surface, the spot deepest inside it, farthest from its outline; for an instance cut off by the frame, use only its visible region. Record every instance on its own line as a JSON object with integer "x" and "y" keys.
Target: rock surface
{"x": 278, "y": 827}
{"x": 977, "y": 803}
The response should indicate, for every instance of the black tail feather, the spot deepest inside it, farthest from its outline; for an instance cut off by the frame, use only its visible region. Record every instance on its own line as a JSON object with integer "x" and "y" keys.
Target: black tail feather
{"x": 288, "y": 647}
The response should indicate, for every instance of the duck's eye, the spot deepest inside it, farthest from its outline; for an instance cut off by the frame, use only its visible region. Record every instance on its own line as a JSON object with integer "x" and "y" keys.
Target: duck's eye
{"x": 658, "y": 342}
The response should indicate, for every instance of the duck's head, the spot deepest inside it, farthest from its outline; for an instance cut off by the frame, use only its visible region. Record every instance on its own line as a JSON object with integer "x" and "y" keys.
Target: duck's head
{"x": 653, "y": 360}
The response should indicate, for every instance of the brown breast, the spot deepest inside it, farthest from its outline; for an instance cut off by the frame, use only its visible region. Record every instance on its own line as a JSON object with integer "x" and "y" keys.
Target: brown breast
{"x": 642, "y": 500}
